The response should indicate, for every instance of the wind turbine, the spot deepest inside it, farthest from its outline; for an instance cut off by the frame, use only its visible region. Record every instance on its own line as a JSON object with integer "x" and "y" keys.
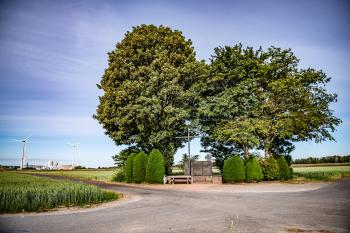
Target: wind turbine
{"x": 73, "y": 154}
{"x": 24, "y": 157}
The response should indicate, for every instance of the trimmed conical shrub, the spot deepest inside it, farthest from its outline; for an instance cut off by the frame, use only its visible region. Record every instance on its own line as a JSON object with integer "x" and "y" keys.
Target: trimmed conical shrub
{"x": 234, "y": 170}
{"x": 155, "y": 168}
{"x": 283, "y": 168}
{"x": 129, "y": 168}
{"x": 270, "y": 168}
{"x": 291, "y": 172}
{"x": 139, "y": 167}
{"x": 253, "y": 170}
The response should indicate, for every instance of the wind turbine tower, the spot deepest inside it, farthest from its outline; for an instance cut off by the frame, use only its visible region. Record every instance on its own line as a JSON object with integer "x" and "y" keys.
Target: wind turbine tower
{"x": 24, "y": 158}
{"x": 74, "y": 146}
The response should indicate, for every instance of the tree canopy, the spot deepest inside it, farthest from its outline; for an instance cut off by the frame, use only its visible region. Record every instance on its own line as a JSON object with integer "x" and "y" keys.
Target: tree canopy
{"x": 147, "y": 90}
{"x": 255, "y": 99}
{"x": 245, "y": 99}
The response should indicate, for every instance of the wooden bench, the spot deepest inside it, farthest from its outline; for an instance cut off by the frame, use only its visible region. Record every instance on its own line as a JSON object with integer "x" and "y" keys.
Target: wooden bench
{"x": 182, "y": 179}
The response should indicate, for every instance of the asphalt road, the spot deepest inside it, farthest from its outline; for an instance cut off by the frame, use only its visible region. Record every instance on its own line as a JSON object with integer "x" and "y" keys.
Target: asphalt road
{"x": 323, "y": 210}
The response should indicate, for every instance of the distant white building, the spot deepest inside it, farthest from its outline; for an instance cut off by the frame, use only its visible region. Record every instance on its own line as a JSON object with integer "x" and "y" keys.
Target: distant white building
{"x": 52, "y": 165}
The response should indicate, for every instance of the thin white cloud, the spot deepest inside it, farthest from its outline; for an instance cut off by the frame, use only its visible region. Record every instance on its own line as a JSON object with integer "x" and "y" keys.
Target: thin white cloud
{"x": 50, "y": 125}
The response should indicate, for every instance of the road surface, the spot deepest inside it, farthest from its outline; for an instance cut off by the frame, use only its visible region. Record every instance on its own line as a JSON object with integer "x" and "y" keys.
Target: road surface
{"x": 155, "y": 210}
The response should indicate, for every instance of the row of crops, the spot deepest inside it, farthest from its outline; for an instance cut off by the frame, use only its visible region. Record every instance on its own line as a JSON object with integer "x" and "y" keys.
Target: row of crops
{"x": 321, "y": 173}
{"x": 86, "y": 174}
{"x": 22, "y": 192}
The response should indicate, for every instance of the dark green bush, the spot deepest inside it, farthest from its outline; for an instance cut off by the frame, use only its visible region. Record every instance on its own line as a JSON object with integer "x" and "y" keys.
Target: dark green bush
{"x": 253, "y": 170}
{"x": 234, "y": 169}
{"x": 283, "y": 168}
{"x": 129, "y": 168}
{"x": 155, "y": 168}
{"x": 139, "y": 167}
{"x": 118, "y": 175}
{"x": 270, "y": 168}
{"x": 291, "y": 172}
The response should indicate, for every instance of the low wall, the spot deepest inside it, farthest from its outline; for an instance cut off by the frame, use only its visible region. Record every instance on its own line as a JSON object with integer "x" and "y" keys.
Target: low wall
{"x": 217, "y": 179}
{"x": 207, "y": 179}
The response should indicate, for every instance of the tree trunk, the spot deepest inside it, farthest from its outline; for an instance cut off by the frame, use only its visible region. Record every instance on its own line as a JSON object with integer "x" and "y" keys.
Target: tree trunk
{"x": 267, "y": 152}
{"x": 246, "y": 152}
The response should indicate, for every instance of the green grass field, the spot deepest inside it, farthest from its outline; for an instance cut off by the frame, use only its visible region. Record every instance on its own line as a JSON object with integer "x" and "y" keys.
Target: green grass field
{"x": 84, "y": 174}
{"x": 321, "y": 173}
{"x": 23, "y": 192}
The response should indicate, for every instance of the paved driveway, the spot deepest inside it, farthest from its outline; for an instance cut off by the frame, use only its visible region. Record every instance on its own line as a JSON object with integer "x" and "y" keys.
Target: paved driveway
{"x": 155, "y": 210}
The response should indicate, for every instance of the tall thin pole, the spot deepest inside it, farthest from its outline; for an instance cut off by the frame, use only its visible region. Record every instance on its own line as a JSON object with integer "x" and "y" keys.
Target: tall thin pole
{"x": 189, "y": 149}
{"x": 188, "y": 141}
{"x": 22, "y": 160}
{"x": 73, "y": 156}
{"x": 23, "y": 155}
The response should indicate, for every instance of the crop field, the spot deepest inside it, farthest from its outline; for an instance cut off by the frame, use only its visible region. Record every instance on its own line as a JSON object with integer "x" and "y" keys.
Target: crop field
{"x": 23, "y": 192}
{"x": 321, "y": 173}
{"x": 84, "y": 174}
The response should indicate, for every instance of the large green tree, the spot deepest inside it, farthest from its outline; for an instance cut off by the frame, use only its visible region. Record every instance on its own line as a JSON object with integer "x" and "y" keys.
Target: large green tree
{"x": 147, "y": 90}
{"x": 255, "y": 99}
{"x": 227, "y": 103}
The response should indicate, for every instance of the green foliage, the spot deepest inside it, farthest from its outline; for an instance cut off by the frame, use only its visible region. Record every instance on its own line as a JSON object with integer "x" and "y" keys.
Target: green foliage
{"x": 155, "y": 168}
{"x": 147, "y": 90}
{"x": 326, "y": 159}
{"x": 21, "y": 192}
{"x": 284, "y": 173}
{"x": 245, "y": 99}
{"x": 234, "y": 169}
{"x": 119, "y": 175}
{"x": 129, "y": 168}
{"x": 219, "y": 151}
{"x": 139, "y": 167}
{"x": 122, "y": 156}
{"x": 253, "y": 170}
{"x": 260, "y": 99}
{"x": 291, "y": 173}
{"x": 240, "y": 131}
{"x": 270, "y": 169}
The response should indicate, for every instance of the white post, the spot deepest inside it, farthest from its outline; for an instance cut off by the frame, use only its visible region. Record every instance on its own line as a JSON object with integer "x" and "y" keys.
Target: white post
{"x": 73, "y": 156}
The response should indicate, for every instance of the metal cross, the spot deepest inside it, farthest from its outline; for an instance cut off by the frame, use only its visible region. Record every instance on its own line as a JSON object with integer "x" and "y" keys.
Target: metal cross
{"x": 189, "y": 144}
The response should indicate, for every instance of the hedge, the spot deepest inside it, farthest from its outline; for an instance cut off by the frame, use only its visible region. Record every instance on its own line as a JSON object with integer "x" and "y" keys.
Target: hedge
{"x": 253, "y": 170}
{"x": 270, "y": 168}
{"x": 129, "y": 168}
{"x": 234, "y": 169}
{"x": 284, "y": 173}
{"x": 155, "y": 168}
{"x": 139, "y": 167}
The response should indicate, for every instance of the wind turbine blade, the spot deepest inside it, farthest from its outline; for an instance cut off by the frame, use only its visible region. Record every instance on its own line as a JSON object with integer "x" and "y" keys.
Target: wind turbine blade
{"x": 15, "y": 140}
{"x": 27, "y": 138}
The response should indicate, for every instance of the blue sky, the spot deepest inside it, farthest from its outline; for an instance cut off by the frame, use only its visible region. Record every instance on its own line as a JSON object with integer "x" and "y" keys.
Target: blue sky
{"x": 52, "y": 54}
